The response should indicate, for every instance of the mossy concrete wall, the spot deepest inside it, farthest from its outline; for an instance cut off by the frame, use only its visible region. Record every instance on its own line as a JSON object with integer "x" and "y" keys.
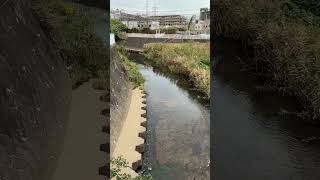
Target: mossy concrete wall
{"x": 35, "y": 93}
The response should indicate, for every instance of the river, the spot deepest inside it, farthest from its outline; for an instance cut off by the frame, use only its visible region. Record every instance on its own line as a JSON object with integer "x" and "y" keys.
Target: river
{"x": 254, "y": 136}
{"x": 178, "y": 131}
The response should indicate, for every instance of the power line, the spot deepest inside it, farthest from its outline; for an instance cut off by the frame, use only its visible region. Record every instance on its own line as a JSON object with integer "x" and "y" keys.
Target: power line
{"x": 179, "y": 10}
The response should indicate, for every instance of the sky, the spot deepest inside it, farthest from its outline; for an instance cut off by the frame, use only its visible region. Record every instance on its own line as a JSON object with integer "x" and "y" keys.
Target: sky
{"x": 183, "y": 7}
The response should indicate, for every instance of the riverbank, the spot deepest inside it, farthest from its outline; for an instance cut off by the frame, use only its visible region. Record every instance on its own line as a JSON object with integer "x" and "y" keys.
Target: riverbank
{"x": 191, "y": 60}
{"x": 125, "y": 146}
{"x": 178, "y": 138}
{"x": 81, "y": 157}
{"x": 73, "y": 32}
{"x": 248, "y": 119}
{"x": 283, "y": 43}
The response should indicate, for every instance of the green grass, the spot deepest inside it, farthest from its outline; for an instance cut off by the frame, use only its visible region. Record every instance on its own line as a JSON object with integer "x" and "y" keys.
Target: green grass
{"x": 85, "y": 55}
{"x": 284, "y": 36}
{"x": 191, "y": 60}
{"x": 131, "y": 68}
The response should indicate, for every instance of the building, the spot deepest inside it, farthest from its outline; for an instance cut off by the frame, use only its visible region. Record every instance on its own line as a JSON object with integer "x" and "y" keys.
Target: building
{"x": 115, "y": 14}
{"x": 202, "y": 25}
{"x": 204, "y": 14}
{"x": 139, "y": 22}
{"x": 166, "y": 21}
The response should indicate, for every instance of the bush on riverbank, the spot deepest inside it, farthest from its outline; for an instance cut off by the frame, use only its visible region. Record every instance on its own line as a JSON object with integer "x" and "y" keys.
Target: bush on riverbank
{"x": 73, "y": 34}
{"x": 192, "y": 60}
{"x": 131, "y": 68}
{"x": 117, "y": 27}
{"x": 285, "y": 37}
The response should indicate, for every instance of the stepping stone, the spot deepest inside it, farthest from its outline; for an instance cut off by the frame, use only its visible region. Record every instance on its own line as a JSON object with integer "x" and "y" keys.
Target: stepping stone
{"x": 104, "y": 171}
{"x": 144, "y": 124}
{"x": 144, "y": 102}
{"x": 137, "y": 166}
{"x": 144, "y": 115}
{"x": 140, "y": 148}
{"x": 142, "y": 135}
{"x": 106, "y": 129}
{"x": 144, "y": 108}
{"x": 105, "y": 147}
{"x": 105, "y": 112}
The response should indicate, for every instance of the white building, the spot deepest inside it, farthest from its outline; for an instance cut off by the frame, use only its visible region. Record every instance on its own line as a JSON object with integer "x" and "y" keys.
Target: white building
{"x": 131, "y": 24}
{"x": 115, "y": 14}
{"x": 140, "y": 24}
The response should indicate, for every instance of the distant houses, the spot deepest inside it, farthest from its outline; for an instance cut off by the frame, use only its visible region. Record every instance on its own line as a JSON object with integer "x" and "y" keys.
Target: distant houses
{"x": 200, "y": 25}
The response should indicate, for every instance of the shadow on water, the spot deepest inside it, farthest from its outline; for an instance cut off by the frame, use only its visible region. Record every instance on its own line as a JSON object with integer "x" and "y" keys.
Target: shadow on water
{"x": 178, "y": 128}
{"x": 257, "y": 134}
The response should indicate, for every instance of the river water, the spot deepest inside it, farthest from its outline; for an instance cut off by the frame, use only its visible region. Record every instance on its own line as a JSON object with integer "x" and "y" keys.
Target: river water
{"x": 254, "y": 138}
{"x": 178, "y": 140}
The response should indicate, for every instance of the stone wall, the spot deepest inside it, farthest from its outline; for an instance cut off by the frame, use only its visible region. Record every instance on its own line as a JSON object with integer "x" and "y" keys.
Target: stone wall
{"x": 35, "y": 93}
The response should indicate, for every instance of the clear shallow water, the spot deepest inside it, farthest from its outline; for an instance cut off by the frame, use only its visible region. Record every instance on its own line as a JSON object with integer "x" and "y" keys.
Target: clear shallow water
{"x": 253, "y": 139}
{"x": 178, "y": 129}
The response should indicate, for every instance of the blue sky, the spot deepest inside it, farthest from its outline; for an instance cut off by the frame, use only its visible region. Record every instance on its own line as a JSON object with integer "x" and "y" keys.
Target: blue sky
{"x": 184, "y": 7}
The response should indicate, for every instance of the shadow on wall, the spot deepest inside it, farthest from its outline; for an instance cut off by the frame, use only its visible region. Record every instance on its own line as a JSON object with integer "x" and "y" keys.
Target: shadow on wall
{"x": 35, "y": 93}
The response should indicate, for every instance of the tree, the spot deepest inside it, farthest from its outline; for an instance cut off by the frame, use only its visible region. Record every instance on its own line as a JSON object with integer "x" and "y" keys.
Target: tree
{"x": 117, "y": 27}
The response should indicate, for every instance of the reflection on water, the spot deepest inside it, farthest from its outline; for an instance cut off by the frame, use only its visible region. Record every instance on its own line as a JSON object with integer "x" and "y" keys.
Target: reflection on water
{"x": 255, "y": 138}
{"x": 178, "y": 130}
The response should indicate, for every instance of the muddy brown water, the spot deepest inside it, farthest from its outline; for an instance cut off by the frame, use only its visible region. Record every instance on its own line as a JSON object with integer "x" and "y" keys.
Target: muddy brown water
{"x": 178, "y": 138}
{"x": 254, "y": 138}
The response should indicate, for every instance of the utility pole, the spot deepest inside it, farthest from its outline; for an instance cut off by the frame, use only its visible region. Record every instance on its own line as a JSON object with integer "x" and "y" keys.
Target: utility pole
{"x": 155, "y": 7}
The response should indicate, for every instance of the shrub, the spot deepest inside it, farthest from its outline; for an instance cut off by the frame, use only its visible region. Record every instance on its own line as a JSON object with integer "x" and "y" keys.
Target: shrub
{"x": 191, "y": 60}
{"x": 117, "y": 27}
{"x": 285, "y": 42}
{"x": 82, "y": 51}
{"x": 131, "y": 68}
{"x": 118, "y": 164}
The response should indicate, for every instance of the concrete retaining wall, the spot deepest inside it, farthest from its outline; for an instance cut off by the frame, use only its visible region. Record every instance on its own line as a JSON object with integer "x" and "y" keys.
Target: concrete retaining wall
{"x": 138, "y": 42}
{"x": 35, "y": 93}
{"x": 120, "y": 96}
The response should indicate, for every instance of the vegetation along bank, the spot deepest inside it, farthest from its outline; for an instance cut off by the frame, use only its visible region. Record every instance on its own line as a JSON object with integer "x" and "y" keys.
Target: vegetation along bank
{"x": 284, "y": 39}
{"x": 191, "y": 60}
{"x": 72, "y": 31}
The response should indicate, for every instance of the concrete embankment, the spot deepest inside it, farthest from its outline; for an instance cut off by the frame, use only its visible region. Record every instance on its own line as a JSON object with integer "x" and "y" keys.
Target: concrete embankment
{"x": 120, "y": 97}
{"x": 128, "y": 113}
{"x": 138, "y": 42}
{"x": 81, "y": 157}
{"x": 35, "y": 94}
{"x": 129, "y": 141}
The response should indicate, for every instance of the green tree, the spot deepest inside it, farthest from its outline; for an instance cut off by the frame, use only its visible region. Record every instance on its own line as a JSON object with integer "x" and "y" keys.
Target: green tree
{"x": 117, "y": 27}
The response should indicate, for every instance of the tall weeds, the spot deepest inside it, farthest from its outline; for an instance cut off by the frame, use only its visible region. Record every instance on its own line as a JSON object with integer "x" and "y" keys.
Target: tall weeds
{"x": 192, "y": 60}
{"x": 84, "y": 54}
{"x": 285, "y": 39}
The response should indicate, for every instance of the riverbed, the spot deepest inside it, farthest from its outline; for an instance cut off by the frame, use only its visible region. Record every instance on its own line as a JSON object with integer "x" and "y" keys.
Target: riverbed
{"x": 257, "y": 134}
{"x": 178, "y": 130}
